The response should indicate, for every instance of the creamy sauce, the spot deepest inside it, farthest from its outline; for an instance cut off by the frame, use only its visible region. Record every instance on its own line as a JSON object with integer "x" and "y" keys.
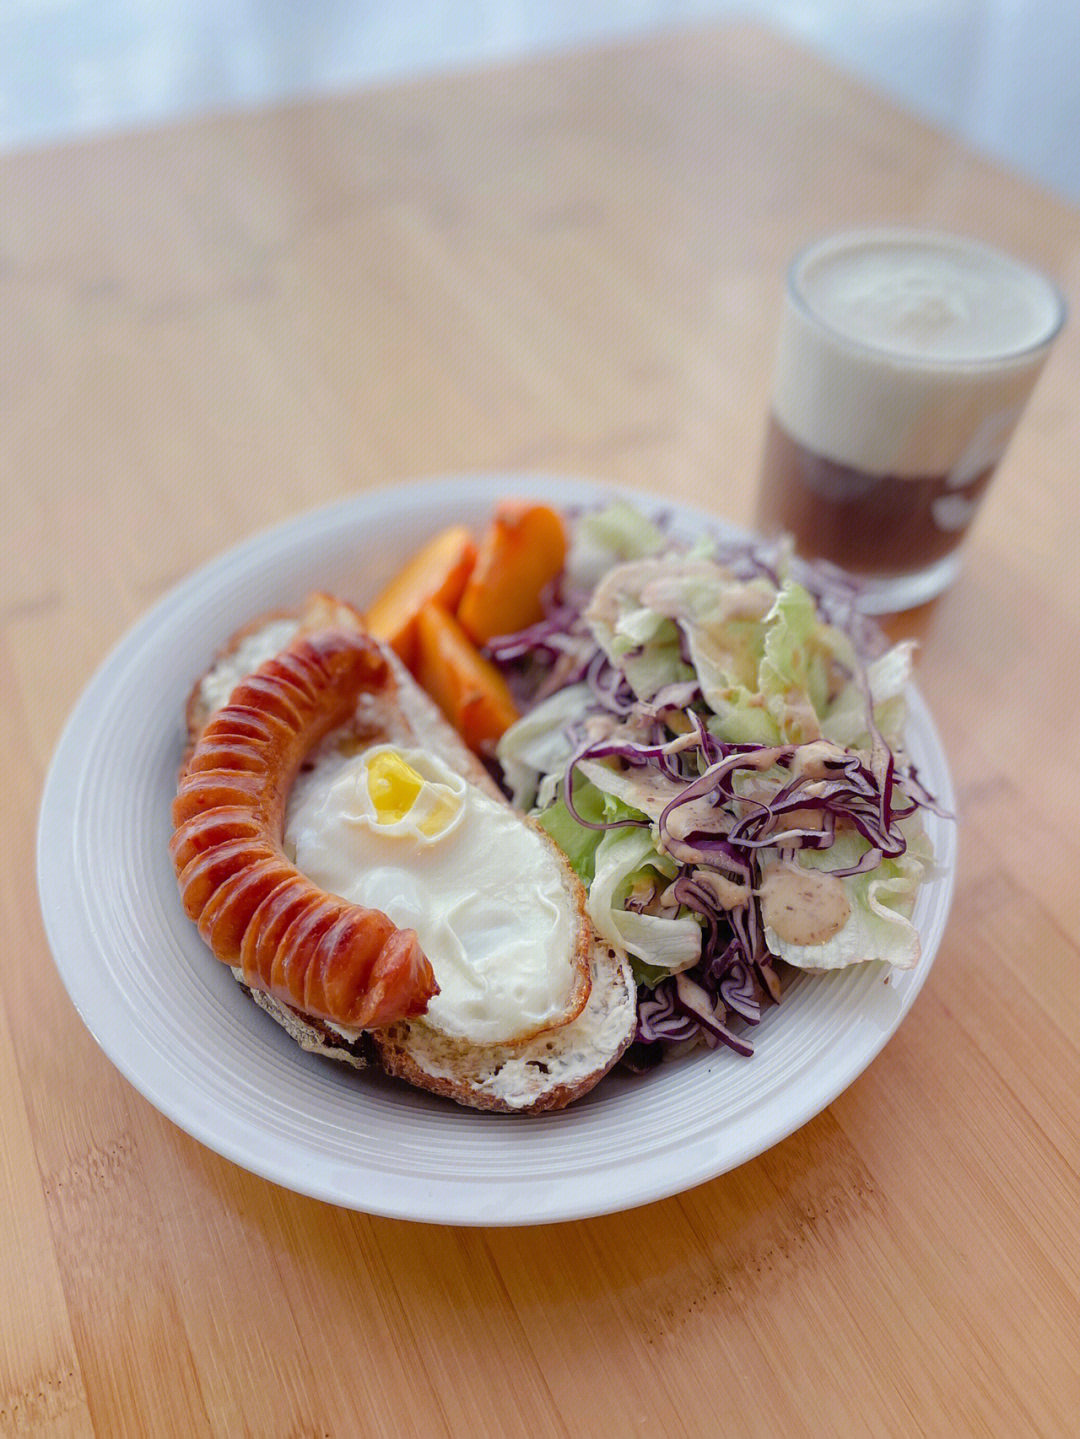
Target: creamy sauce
{"x": 802, "y": 906}
{"x": 818, "y": 760}
{"x": 727, "y": 893}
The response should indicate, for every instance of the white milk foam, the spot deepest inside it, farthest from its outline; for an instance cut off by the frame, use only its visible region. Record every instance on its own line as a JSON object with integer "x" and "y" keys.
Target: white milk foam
{"x": 908, "y": 353}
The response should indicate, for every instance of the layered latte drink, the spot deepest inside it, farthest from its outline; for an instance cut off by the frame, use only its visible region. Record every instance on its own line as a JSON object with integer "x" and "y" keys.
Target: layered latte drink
{"x": 904, "y": 362}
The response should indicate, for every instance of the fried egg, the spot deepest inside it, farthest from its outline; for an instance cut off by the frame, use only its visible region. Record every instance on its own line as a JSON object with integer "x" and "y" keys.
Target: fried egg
{"x": 395, "y": 829}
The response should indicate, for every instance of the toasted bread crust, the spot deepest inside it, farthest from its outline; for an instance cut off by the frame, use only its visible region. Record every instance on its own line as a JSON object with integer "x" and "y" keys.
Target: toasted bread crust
{"x": 538, "y": 1072}
{"x": 547, "y": 1072}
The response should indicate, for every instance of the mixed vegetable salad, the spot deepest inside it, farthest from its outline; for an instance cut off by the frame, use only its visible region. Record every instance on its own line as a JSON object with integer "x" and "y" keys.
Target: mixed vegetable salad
{"x": 715, "y": 744}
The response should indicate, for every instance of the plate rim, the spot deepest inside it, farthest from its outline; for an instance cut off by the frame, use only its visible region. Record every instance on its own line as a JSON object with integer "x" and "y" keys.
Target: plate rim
{"x": 431, "y": 1200}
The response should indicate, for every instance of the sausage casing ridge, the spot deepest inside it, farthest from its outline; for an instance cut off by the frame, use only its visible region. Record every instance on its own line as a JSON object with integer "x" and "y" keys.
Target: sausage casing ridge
{"x": 335, "y": 960}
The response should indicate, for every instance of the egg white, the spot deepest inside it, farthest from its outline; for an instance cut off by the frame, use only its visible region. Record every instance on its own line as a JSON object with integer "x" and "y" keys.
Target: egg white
{"x": 484, "y": 892}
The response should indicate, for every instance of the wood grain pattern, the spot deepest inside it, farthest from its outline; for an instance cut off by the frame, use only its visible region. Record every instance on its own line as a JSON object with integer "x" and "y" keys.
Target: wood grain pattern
{"x": 572, "y": 265}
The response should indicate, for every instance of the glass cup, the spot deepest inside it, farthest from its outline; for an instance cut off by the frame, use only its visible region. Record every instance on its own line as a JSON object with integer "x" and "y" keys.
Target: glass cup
{"x": 905, "y": 359}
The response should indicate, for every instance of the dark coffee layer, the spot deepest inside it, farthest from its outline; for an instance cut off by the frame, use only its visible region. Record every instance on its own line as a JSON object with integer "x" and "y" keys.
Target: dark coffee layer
{"x": 869, "y": 524}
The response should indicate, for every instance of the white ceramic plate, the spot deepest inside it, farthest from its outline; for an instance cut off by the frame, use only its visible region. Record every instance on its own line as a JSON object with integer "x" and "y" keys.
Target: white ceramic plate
{"x": 175, "y": 1023}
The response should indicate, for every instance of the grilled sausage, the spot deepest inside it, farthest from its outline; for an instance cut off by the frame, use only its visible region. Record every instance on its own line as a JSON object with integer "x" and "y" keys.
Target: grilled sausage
{"x": 337, "y": 961}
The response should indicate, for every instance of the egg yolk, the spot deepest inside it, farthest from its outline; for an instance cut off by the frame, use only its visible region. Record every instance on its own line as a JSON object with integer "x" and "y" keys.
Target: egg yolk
{"x": 395, "y": 787}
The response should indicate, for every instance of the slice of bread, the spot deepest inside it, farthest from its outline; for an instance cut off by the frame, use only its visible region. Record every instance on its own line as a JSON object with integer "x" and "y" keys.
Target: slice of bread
{"x": 546, "y": 1071}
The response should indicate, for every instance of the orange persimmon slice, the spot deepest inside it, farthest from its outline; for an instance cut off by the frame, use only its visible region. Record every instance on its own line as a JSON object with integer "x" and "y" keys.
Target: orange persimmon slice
{"x": 522, "y": 551}
{"x": 466, "y": 686}
{"x": 438, "y": 571}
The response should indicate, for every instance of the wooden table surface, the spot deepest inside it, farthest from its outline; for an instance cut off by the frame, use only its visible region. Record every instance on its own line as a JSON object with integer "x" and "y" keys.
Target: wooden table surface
{"x": 573, "y": 265}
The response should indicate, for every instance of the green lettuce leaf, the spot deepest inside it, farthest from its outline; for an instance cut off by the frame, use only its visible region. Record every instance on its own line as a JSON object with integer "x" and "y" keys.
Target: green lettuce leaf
{"x": 610, "y": 863}
{"x": 535, "y": 745}
{"x": 624, "y": 857}
{"x": 578, "y": 843}
{"x": 607, "y": 537}
{"x": 887, "y": 677}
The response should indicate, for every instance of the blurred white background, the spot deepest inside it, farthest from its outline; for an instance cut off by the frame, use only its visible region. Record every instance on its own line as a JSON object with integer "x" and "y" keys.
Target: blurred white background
{"x": 1003, "y": 74}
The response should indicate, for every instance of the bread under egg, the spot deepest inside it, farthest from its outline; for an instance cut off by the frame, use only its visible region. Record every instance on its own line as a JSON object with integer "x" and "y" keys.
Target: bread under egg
{"x": 393, "y": 812}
